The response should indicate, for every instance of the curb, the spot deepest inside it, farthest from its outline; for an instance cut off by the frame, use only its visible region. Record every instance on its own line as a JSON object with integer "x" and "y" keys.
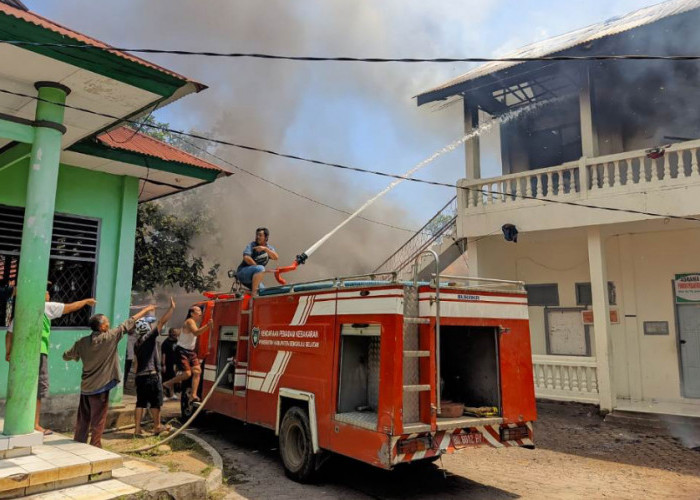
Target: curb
{"x": 215, "y": 478}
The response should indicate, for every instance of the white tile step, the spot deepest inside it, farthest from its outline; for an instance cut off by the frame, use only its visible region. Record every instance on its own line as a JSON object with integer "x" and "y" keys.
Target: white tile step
{"x": 101, "y": 490}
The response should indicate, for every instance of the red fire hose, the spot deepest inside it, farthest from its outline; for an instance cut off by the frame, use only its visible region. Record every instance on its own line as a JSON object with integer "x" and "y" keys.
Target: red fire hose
{"x": 301, "y": 258}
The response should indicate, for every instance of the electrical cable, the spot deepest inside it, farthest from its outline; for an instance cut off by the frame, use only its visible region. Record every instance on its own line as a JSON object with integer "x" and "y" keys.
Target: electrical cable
{"x": 295, "y": 193}
{"x": 258, "y": 55}
{"x": 357, "y": 169}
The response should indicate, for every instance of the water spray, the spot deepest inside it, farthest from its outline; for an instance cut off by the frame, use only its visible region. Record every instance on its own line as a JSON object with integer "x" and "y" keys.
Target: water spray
{"x": 505, "y": 118}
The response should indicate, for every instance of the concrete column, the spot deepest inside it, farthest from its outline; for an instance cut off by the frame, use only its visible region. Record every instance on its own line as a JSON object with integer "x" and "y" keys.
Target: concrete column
{"x": 631, "y": 322}
{"x": 125, "y": 262}
{"x": 589, "y": 134}
{"x": 34, "y": 259}
{"x": 471, "y": 147}
{"x": 601, "y": 317}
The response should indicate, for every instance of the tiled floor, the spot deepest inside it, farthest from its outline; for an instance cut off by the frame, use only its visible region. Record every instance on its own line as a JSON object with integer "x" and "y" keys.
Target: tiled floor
{"x": 58, "y": 460}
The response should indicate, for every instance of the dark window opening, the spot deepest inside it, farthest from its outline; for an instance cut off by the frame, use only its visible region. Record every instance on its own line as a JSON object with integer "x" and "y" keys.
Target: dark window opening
{"x": 584, "y": 294}
{"x": 543, "y": 295}
{"x": 72, "y": 262}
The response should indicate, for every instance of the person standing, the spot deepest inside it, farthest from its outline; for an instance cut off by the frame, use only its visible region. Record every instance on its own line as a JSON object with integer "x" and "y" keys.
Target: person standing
{"x": 186, "y": 345}
{"x": 149, "y": 391}
{"x": 256, "y": 255}
{"x": 98, "y": 352}
{"x": 52, "y": 310}
{"x": 169, "y": 359}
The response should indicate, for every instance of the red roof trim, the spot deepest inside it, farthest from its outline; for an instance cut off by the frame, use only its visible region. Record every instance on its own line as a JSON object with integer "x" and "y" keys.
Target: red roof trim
{"x": 127, "y": 139}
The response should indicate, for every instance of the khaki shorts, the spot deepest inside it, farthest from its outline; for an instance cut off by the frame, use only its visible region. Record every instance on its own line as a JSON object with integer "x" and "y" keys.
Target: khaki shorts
{"x": 43, "y": 389}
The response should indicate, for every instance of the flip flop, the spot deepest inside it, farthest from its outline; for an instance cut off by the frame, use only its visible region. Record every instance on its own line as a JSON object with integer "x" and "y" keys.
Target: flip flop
{"x": 166, "y": 428}
{"x": 48, "y": 432}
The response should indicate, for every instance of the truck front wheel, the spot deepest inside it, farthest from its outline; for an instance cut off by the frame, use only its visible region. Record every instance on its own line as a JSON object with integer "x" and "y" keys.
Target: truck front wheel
{"x": 296, "y": 448}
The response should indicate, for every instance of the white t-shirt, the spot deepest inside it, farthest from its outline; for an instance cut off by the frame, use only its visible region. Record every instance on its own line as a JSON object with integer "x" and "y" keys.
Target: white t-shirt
{"x": 52, "y": 310}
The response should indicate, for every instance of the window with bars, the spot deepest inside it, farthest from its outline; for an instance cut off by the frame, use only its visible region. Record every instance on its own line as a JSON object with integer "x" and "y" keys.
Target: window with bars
{"x": 72, "y": 264}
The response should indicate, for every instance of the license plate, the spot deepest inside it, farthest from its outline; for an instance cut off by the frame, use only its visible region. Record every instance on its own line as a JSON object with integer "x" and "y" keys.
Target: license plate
{"x": 468, "y": 439}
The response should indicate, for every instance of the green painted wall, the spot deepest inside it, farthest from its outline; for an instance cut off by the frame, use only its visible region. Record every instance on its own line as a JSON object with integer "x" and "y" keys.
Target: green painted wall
{"x": 112, "y": 199}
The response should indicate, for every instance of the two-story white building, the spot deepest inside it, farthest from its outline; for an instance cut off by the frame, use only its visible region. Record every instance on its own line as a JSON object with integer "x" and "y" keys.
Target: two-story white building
{"x": 614, "y": 294}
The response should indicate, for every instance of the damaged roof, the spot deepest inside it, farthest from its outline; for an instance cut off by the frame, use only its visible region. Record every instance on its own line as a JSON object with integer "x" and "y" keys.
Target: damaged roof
{"x": 561, "y": 43}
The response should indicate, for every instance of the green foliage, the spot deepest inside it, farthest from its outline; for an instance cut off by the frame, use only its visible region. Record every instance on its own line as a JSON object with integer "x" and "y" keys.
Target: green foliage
{"x": 164, "y": 251}
{"x": 196, "y": 147}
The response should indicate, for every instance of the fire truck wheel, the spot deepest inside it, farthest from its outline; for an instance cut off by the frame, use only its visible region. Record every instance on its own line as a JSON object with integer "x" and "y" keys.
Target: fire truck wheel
{"x": 295, "y": 445}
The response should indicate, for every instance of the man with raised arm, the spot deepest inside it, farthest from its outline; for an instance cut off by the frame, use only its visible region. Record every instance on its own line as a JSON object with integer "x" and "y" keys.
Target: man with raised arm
{"x": 98, "y": 352}
{"x": 52, "y": 310}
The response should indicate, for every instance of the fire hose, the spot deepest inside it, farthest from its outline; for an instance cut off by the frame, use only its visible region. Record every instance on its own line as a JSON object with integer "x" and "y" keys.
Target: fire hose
{"x": 194, "y": 415}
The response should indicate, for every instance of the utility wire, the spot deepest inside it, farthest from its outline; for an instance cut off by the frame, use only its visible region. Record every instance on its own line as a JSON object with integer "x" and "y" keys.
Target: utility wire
{"x": 295, "y": 193}
{"x": 258, "y": 55}
{"x": 355, "y": 169}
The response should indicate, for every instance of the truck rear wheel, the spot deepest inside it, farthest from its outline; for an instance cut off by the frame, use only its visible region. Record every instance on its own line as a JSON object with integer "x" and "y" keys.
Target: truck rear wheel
{"x": 296, "y": 448}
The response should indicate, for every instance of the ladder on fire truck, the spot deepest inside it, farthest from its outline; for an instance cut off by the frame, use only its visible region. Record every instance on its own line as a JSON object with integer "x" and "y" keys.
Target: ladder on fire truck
{"x": 415, "y": 381}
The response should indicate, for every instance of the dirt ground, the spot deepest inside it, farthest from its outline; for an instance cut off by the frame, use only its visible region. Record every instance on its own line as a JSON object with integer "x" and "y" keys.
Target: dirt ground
{"x": 180, "y": 455}
{"x": 577, "y": 456}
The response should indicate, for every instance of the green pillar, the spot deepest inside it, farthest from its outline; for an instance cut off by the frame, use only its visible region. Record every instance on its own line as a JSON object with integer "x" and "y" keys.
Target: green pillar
{"x": 34, "y": 259}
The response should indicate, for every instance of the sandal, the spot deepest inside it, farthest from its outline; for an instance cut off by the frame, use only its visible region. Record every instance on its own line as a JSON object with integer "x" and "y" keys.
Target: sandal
{"x": 164, "y": 428}
{"x": 48, "y": 432}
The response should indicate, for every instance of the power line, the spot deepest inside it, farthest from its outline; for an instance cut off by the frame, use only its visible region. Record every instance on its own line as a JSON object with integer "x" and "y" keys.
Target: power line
{"x": 295, "y": 193}
{"x": 354, "y": 169}
{"x": 259, "y": 55}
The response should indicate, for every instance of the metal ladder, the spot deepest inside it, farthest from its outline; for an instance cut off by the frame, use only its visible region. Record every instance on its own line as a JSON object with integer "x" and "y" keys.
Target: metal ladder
{"x": 412, "y": 354}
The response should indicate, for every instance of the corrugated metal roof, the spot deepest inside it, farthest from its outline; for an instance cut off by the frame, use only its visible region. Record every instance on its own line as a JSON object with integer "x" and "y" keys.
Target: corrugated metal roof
{"x": 578, "y": 37}
{"x": 38, "y": 20}
{"x": 126, "y": 139}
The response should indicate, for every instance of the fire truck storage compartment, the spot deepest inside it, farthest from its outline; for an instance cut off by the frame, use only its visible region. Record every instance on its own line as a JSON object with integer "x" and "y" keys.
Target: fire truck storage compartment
{"x": 228, "y": 343}
{"x": 358, "y": 391}
{"x": 469, "y": 366}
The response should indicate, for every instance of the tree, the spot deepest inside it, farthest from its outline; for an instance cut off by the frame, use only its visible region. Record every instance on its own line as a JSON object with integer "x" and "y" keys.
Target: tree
{"x": 164, "y": 252}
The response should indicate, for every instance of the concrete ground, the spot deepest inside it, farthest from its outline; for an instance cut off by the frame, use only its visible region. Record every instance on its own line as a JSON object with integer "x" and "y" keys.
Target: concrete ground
{"x": 577, "y": 456}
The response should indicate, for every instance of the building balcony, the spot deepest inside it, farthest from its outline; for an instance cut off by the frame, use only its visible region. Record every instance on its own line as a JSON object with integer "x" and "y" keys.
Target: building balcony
{"x": 636, "y": 181}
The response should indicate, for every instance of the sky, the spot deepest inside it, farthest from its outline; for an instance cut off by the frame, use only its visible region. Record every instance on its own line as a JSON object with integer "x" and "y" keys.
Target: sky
{"x": 351, "y": 113}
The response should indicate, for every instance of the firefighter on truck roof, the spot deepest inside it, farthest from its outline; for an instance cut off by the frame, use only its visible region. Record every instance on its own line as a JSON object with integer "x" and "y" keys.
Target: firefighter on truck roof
{"x": 256, "y": 255}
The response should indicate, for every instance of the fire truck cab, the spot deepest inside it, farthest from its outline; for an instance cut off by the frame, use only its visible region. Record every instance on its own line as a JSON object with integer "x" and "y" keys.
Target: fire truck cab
{"x": 382, "y": 371}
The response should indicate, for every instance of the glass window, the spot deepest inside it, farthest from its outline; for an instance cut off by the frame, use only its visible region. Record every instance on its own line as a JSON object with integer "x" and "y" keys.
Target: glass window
{"x": 584, "y": 295}
{"x": 543, "y": 294}
{"x": 72, "y": 262}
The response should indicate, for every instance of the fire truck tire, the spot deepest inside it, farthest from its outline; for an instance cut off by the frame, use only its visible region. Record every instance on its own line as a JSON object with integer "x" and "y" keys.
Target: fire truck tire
{"x": 295, "y": 445}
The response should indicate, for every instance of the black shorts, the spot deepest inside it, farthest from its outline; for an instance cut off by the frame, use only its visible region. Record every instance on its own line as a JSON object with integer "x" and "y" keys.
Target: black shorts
{"x": 43, "y": 388}
{"x": 149, "y": 391}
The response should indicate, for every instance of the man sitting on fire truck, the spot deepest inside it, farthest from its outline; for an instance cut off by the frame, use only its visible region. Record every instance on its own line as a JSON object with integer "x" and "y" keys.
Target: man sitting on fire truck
{"x": 256, "y": 255}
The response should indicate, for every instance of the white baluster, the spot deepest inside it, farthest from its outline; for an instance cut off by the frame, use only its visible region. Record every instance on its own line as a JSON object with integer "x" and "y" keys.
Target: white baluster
{"x": 667, "y": 166}
{"x": 549, "y": 376}
{"x": 516, "y": 190}
{"x": 566, "y": 379}
{"x": 616, "y": 173}
{"x": 583, "y": 380}
{"x": 557, "y": 377}
{"x": 539, "y": 192}
{"x": 594, "y": 176}
{"x": 550, "y": 185}
{"x": 606, "y": 175}
{"x": 574, "y": 378}
{"x": 694, "y": 171}
{"x": 528, "y": 186}
{"x": 594, "y": 380}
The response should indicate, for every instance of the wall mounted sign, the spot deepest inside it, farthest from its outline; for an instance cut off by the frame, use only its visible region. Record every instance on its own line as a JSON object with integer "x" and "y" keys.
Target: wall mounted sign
{"x": 656, "y": 328}
{"x": 687, "y": 287}
{"x": 587, "y": 316}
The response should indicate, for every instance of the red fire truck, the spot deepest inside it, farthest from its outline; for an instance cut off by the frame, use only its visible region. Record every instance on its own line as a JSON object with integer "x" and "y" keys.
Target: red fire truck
{"x": 368, "y": 368}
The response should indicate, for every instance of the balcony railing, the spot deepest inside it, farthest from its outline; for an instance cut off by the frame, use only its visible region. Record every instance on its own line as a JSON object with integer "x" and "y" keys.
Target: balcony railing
{"x": 623, "y": 172}
{"x": 565, "y": 378}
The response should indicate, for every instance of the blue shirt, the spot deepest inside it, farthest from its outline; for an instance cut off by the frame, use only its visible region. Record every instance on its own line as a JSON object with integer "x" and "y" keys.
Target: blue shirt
{"x": 255, "y": 255}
